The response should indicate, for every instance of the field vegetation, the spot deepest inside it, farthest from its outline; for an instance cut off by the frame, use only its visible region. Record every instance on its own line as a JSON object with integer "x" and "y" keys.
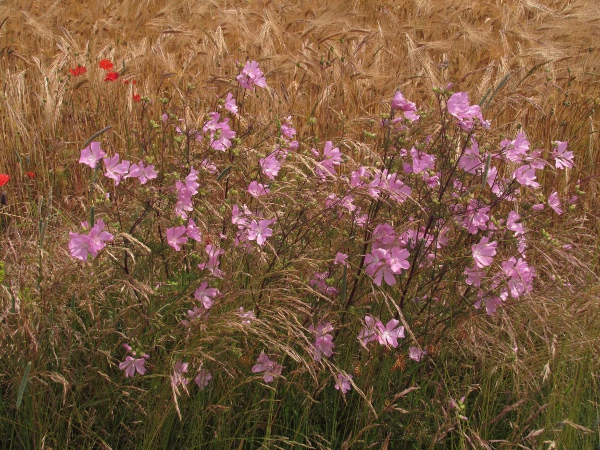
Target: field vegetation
{"x": 335, "y": 224}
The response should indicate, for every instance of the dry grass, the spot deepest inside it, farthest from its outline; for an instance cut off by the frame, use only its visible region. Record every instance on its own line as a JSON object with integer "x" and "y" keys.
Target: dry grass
{"x": 337, "y": 61}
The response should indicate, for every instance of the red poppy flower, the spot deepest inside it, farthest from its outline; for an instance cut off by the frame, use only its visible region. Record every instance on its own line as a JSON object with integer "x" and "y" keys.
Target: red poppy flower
{"x": 133, "y": 81}
{"x": 111, "y": 76}
{"x": 30, "y": 175}
{"x": 79, "y": 70}
{"x": 3, "y": 179}
{"x": 106, "y": 64}
{"x": 137, "y": 97}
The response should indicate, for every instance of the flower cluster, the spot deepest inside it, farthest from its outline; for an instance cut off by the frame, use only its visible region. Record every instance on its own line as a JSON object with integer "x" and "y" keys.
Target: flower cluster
{"x": 131, "y": 365}
{"x": 375, "y": 330}
{"x": 115, "y": 168}
{"x": 270, "y": 369}
{"x": 82, "y": 245}
{"x": 323, "y": 345}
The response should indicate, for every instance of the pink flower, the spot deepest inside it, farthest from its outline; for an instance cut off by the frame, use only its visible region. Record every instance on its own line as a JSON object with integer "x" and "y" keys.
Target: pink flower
{"x": 525, "y": 175}
{"x": 554, "y": 202}
{"x": 389, "y": 334}
{"x": 81, "y": 245}
{"x": 342, "y": 382}
{"x": 369, "y": 331}
{"x": 209, "y": 166}
{"x": 398, "y": 259}
{"x": 459, "y": 107}
{"x": 206, "y": 295}
{"x": 421, "y": 161}
{"x": 230, "y": 104}
{"x": 378, "y": 268}
{"x": 259, "y": 231}
{"x": 286, "y": 128}
{"x": 416, "y": 354}
{"x": 251, "y": 75}
{"x": 98, "y": 237}
{"x": 132, "y": 365}
{"x": 175, "y": 237}
{"x": 214, "y": 253}
{"x": 257, "y": 189}
{"x": 409, "y": 108}
{"x": 246, "y": 316}
{"x": 470, "y": 161}
{"x": 521, "y": 276}
{"x": 203, "y": 378}
{"x": 476, "y": 218}
{"x": 474, "y": 276}
{"x": 270, "y": 166}
{"x": 517, "y": 149}
{"x": 220, "y": 132}
{"x": 192, "y": 231}
{"x": 142, "y": 173}
{"x": 191, "y": 181}
{"x": 563, "y": 158}
{"x": 341, "y": 258}
{"x": 331, "y": 157}
{"x": 91, "y": 155}
{"x": 178, "y": 377}
{"x": 270, "y": 368}
{"x": 484, "y": 252}
{"x": 491, "y": 303}
{"x": 323, "y": 340}
{"x": 115, "y": 169}
{"x": 196, "y": 313}
{"x": 511, "y": 223}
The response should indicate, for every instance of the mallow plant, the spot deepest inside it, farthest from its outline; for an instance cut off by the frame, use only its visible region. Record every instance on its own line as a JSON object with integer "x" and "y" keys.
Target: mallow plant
{"x": 258, "y": 254}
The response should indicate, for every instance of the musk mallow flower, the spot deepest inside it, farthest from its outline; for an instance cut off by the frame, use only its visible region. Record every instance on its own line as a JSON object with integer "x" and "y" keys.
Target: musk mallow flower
{"x": 202, "y": 378}
{"x": 251, "y": 76}
{"x": 91, "y": 155}
{"x": 141, "y": 172}
{"x": 554, "y": 202}
{"x": 256, "y": 189}
{"x": 399, "y": 103}
{"x": 512, "y": 225}
{"x": 390, "y": 333}
{"x": 458, "y": 105}
{"x": 115, "y": 169}
{"x": 206, "y": 295}
{"x": 178, "y": 377}
{"x": 331, "y": 157}
{"x": 176, "y": 237}
{"x": 270, "y": 166}
{"x": 192, "y": 231}
{"x": 230, "y": 104}
{"x": 81, "y": 245}
{"x": 484, "y": 252}
{"x": 270, "y": 368}
{"x": 246, "y": 316}
{"x": 131, "y": 365}
{"x": 369, "y": 331}
{"x": 416, "y": 354}
{"x": 260, "y": 231}
{"x": 517, "y": 149}
{"x": 563, "y": 158}
{"x": 323, "y": 345}
{"x": 342, "y": 382}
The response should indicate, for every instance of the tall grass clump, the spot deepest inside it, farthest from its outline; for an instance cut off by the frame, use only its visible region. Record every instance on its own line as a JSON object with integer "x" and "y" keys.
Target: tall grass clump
{"x": 216, "y": 237}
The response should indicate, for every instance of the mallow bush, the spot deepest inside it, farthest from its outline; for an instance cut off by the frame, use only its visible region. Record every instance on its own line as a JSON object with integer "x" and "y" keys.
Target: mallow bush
{"x": 251, "y": 254}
